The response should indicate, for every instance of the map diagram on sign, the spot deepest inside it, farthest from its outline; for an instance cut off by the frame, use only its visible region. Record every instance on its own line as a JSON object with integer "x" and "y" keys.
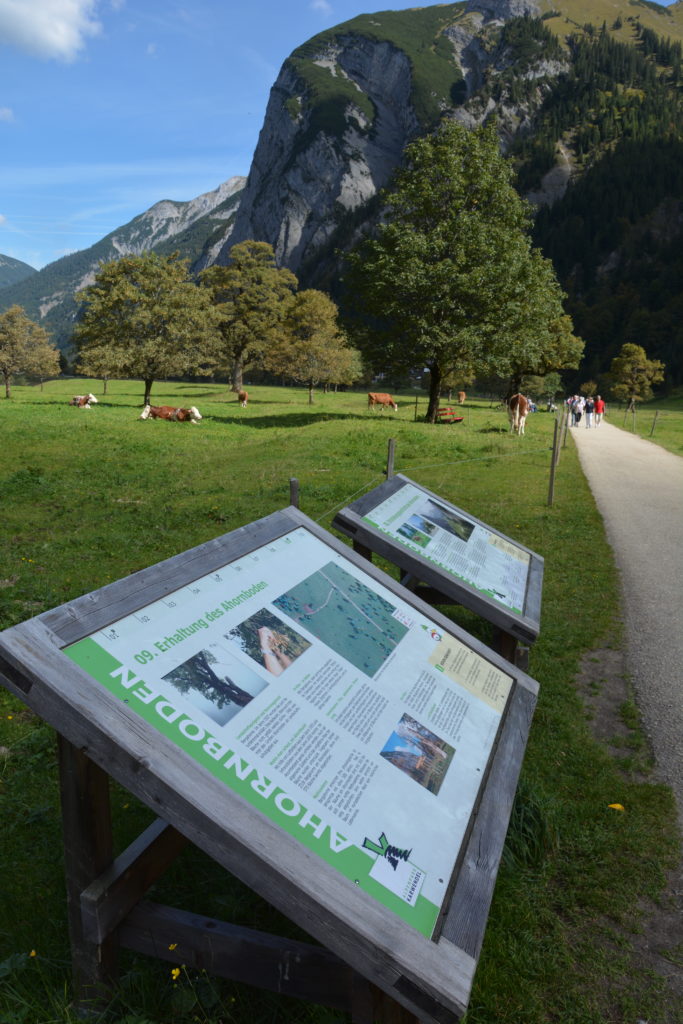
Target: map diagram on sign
{"x": 346, "y": 615}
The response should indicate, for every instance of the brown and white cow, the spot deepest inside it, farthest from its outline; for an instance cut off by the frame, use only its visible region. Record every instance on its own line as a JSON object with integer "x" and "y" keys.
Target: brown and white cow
{"x": 381, "y": 399}
{"x": 168, "y": 412}
{"x": 83, "y": 401}
{"x": 461, "y": 397}
{"x": 518, "y": 410}
{"x": 243, "y": 398}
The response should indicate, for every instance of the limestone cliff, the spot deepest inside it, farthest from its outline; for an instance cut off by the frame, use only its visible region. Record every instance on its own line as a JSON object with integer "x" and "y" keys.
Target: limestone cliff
{"x": 345, "y": 105}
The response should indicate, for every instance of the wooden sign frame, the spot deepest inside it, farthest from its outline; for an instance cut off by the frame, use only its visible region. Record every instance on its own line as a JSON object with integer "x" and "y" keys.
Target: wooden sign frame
{"x": 367, "y": 948}
{"x": 523, "y": 626}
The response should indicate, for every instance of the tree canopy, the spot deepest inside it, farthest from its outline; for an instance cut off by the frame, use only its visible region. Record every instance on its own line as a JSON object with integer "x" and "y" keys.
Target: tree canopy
{"x": 312, "y": 348}
{"x": 24, "y": 348}
{"x": 143, "y": 317}
{"x": 633, "y": 374}
{"x": 250, "y": 296}
{"x": 451, "y": 282}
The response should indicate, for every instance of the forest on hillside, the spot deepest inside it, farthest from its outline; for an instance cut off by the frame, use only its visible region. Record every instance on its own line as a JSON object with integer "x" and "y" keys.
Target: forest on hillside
{"x": 615, "y": 236}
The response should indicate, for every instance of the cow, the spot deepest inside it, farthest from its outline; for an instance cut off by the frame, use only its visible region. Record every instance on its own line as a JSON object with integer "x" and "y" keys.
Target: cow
{"x": 381, "y": 399}
{"x": 461, "y": 397}
{"x": 168, "y": 412}
{"x": 83, "y": 401}
{"x": 518, "y": 409}
{"x": 243, "y": 398}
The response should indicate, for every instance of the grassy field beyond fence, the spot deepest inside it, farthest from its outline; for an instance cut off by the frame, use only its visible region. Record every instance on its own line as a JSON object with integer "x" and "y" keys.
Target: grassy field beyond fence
{"x": 89, "y": 496}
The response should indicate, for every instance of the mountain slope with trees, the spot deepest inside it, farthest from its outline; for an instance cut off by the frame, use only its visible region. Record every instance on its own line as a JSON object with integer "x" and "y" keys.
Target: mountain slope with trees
{"x": 49, "y": 295}
{"x": 573, "y": 86}
{"x": 12, "y": 271}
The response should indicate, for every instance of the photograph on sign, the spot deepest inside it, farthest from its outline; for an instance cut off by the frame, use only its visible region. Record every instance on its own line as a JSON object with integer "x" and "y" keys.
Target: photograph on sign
{"x": 327, "y": 702}
{"x": 494, "y": 566}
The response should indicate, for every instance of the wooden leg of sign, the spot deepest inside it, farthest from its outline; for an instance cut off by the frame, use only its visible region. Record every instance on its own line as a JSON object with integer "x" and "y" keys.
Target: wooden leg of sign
{"x": 362, "y": 550}
{"x": 511, "y": 649}
{"x": 86, "y": 821}
{"x": 505, "y": 644}
{"x": 373, "y": 1006}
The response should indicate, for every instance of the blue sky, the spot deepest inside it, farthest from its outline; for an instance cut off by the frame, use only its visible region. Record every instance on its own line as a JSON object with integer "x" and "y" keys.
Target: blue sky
{"x": 108, "y": 106}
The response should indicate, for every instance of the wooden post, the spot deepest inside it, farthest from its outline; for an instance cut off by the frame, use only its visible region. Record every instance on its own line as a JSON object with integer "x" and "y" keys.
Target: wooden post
{"x": 294, "y": 491}
{"x": 653, "y": 423}
{"x": 415, "y": 418}
{"x": 553, "y": 464}
{"x": 558, "y": 428}
{"x": 390, "y": 457}
{"x": 86, "y": 822}
{"x": 633, "y": 420}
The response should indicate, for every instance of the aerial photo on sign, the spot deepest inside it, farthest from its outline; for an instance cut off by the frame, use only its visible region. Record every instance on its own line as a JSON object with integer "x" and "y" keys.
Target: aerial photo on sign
{"x": 462, "y": 547}
{"x": 327, "y": 702}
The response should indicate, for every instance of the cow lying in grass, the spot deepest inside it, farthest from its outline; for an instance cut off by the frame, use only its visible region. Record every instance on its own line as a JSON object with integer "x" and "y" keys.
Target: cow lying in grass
{"x": 168, "y": 412}
{"x": 83, "y": 401}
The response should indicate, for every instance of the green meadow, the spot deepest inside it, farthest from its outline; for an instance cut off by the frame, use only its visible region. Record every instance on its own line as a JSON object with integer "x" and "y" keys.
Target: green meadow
{"x": 660, "y": 421}
{"x": 89, "y": 496}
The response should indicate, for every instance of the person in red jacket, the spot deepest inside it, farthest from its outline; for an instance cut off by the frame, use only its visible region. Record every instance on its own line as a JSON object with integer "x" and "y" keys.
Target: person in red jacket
{"x": 599, "y": 410}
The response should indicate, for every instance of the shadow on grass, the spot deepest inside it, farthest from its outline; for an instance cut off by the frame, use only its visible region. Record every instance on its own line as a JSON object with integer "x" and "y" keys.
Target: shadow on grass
{"x": 291, "y": 419}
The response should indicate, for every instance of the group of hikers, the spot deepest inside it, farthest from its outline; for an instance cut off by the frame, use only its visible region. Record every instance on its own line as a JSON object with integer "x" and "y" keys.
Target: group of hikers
{"x": 577, "y": 405}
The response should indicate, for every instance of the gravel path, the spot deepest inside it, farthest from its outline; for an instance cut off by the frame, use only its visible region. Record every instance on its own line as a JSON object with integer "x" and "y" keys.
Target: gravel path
{"x": 638, "y": 488}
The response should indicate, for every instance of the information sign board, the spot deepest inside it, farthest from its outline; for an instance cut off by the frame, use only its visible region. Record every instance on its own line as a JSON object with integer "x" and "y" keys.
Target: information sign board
{"x": 328, "y": 720}
{"x": 442, "y": 545}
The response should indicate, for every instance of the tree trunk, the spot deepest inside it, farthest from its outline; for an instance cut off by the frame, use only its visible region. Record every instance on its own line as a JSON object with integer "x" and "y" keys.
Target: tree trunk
{"x": 105, "y": 381}
{"x": 435, "y": 377}
{"x": 7, "y": 389}
{"x": 148, "y": 391}
{"x": 310, "y": 393}
{"x": 237, "y": 376}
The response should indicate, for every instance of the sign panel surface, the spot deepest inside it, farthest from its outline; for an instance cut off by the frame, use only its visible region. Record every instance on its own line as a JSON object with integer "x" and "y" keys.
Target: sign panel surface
{"x": 325, "y": 701}
{"x": 463, "y": 547}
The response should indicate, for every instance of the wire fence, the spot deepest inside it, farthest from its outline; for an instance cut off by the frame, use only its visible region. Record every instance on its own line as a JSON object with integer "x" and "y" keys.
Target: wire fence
{"x": 438, "y": 465}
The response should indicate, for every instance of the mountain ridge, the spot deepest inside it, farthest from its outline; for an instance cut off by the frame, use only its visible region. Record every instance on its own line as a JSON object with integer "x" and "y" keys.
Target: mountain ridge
{"x": 48, "y": 295}
{"x": 566, "y": 81}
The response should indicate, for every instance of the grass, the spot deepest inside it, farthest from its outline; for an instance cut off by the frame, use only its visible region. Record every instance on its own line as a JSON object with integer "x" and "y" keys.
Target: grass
{"x": 90, "y": 496}
{"x": 659, "y": 421}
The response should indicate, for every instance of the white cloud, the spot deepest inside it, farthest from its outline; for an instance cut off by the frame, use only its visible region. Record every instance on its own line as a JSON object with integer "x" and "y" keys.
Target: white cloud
{"x": 3, "y": 219}
{"x": 48, "y": 28}
{"x": 151, "y": 49}
{"x": 322, "y": 6}
{"x": 6, "y": 114}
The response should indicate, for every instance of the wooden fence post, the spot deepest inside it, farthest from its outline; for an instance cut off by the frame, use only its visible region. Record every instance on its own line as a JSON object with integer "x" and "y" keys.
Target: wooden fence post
{"x": 553, "y": 464}
{"x": 415, "y": 418}
{"x": 653, "y": 423}
{"x": 390, "y": 457}
{"x": 558, "y": 427}
{"x": 294, "y": 491}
